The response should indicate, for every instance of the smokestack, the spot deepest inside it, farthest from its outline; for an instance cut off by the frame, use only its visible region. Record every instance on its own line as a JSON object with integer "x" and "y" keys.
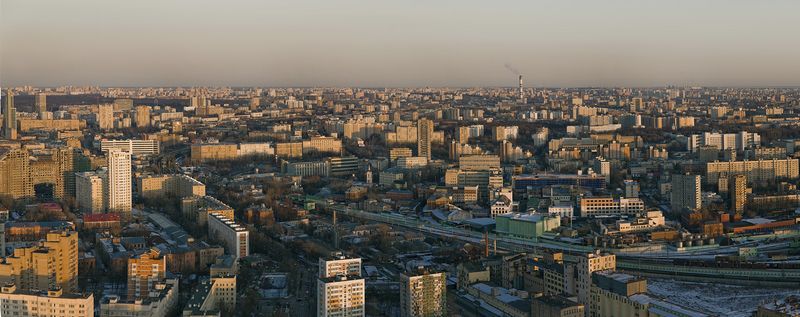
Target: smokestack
{"x": 521, "y": 94}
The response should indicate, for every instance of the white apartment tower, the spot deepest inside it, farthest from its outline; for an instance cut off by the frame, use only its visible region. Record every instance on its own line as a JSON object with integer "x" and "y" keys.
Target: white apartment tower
{"x": 119, "y": 181}
{"x": 340, "y": 287}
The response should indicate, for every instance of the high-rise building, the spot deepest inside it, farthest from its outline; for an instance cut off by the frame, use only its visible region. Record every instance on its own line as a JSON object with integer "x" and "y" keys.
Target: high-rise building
{"x": 142, "y": 117}
{"x": 105, "y": 117}
{"x": 340, "y": 296}
{"x": 235, "y": 238}
{"x": 685, "y": 193}
{"x": 340, "y": 287}
{"x": 15, "y": 180}
{"x": 423, "y": 293}
{"x": 41, "y": 104}
{"x": 737, "y": 189}
{"x": 588, "y": 264}
{"x": 50, "y": 264}
{"x": 338, "y": 264}
{"x": 145, "y": 271}
{"x": 9, "y": 117}
{"x": 119, "y": 181}
{"x": 424, "y": 137}
{"x": 89, "y": 192}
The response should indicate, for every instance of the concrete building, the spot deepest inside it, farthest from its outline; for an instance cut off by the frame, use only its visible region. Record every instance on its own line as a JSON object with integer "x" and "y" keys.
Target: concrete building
{"x": 9, "y": 117}
{"x": 105, "y": 117}
{"x": 737, "y": 191}
{"x": 685, "y": 193}
{"x": 142, "y": 117}
{"x": 399, "y": 152}
{"x": 423, "y": 294}
{"x": 341, "y": 296}
{"x": 177, "y": 185}
{"x": 586, "y": 265}
{"x": 601, "y": 206}
{"x": 556, "y": 306}
{"x": 51, "y": 303}
{"x": 500, "y": 133}
{"x": 212, "y": 296}
{"x": 234, "y": 237}
{"x": 160, "y": 302}
{"x": 51, "y": 263}
{"x": 145, "y": 271}
{"x": 424, "y": 138}
{"x": 40, "y": 101}
{"x": 338, "y": 264}
{"x": 119, "y": 181}
{"x": 135, "y": 147}
{"x": 759, "y": 171}
{"x": 90, "y": 192}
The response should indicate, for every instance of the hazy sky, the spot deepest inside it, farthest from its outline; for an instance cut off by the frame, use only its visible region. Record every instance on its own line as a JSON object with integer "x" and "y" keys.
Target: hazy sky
{"x": 399, "y": 43}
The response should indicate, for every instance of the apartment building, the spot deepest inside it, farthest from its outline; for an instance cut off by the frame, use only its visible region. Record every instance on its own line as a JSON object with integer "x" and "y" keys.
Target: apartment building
{"x": 599, "y": 206}
{"x": 234, "y": 237}
{"x": 423, "y": 294}
{"x": 50, "y": 303}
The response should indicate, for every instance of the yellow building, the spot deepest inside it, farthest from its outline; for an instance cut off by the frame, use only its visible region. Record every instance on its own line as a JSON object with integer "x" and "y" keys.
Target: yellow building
{"x": 218, "y": 151}
{"x": 289, "y": 149}
{"x": 756, "y": 171}
{"x": 50, "y": 124}
{"x": 53, "y": 263}
{"x": 322, "y": 145}
{"x": 144, "y": 272}
{"x": 178, "y": 185}
{"x": 53, "y": 303}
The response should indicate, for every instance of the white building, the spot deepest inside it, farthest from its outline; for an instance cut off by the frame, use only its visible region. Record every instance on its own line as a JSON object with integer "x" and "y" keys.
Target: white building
{"x": 423, "y": 294}
{"x": 723, "y": 141}
{"x": 90, "y": 191}
{"x": 234, "y": 237}
{"x": 50, "y": 304}
{"x": 338, "y": 264}
{"x": 160, "y": 301}
{"x": 119, "y": 181}
{"x": 135, "y": 147}
{"x": 340, "y": 296}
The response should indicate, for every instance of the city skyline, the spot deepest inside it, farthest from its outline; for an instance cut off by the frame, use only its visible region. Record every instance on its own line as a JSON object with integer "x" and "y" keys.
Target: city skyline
{"x": 364, "y": 44}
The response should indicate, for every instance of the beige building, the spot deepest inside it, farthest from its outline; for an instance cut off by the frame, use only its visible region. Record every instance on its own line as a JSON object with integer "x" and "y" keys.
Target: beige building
{"x": 212, "y": 296}
{"x": 52, "y": 263}
{"x": 142, "y": 117}
{"x": 289, "y": 149}
{"x": 759, "y": 171}
{"x": 423, "y": 294}
{"x": 53, "y": 303}
{"x": 322, "y": 144}
{"x": 90, "y": 192}
{"x": 737, "y": 191}
{"x": 105, "y": 117}
{"x": 424, "y": 138}
{"x": 586, "y": 265}
{"x": 217, "y": 151}
{"x": 22, "y": 169}
{"x": 399, "y": 152}
{"x": 177, "y": 185}
{"x": 50, "y": 124}
{"x": 145, "y": 271}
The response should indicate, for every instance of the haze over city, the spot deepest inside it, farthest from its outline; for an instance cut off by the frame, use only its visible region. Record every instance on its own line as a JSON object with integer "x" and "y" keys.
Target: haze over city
{"x": 399, "y": 158}
{"x": 399, "y": 44}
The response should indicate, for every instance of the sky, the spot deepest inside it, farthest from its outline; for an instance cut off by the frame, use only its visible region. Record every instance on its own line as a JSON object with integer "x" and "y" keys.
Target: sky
{"x": 408, "y": 43}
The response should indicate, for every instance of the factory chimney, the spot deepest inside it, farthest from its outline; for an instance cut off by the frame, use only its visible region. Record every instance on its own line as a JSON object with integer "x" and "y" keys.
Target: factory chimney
{"x": 521, "y": 94}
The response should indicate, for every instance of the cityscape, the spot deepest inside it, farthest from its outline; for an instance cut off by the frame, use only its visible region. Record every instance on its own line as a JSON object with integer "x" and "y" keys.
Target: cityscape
{"x": 342, "y": 181}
